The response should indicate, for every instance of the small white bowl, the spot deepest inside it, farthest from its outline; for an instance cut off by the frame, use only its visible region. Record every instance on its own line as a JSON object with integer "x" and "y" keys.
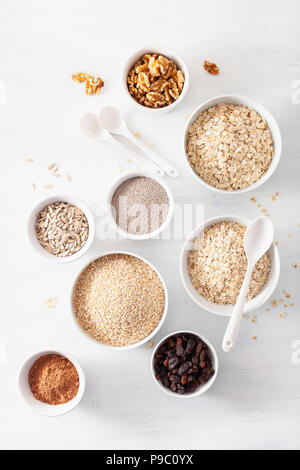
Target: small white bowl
{"x": 273, "y": 126}
{"x": 130, "y": 346}
{"x": 110, "y": 215}
{"x": 32, "y": 233}
{"x": 226, "y": 310}
{"x": 203, "y": 388}
{"x": 38, "y": 406}
{"x": 169, "y": 54}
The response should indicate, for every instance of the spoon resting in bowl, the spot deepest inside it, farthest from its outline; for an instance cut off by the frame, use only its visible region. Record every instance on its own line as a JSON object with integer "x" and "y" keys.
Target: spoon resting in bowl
{"x": 257, "y": 240}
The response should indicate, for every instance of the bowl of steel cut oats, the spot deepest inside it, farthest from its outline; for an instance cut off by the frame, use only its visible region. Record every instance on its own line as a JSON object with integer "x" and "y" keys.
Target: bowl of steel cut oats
{"x": 119, "y": 300}
{"x": 61, "y": 228}
{"x": 213, "y": 265}
{"x": 232, "y": 144}
{"x": 155, "y": 79}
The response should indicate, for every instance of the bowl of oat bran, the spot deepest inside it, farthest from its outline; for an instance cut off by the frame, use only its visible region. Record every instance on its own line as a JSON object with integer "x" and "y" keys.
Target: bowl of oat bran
{"x": 139, "y": 205}
{"x": 136, "y": 89}
{"x": 119, "y": 300}
{"x": 232, "y": 144}
{"x": 213, "y": 265}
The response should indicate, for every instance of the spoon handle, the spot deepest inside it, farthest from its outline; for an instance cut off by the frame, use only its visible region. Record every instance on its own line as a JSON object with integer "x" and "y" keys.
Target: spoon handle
{"x": 152, "y": 167}
{"x": 161, "y": 162}
{"x": 233, "y": 327}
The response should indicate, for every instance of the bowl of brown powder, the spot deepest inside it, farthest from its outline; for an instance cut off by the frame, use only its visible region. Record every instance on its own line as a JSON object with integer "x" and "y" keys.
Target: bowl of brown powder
{"x": 232, "y": 144}
{"x": 61, "y": 228}
{"x": 213, "y": 265}
{"x": 139, "y": 206}
{"x": 119, "y": 300}
{"x": 51, "y": 382}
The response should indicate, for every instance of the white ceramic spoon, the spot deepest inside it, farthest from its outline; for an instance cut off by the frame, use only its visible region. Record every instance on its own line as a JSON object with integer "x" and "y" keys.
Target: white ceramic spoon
{"x": 90, "y": 127}
{"x": 257, "y": 240}
{"x": 113, "y": 121}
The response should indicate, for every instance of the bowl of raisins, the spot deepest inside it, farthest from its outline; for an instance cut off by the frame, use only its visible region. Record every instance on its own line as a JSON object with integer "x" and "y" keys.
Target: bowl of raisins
{"x": 184, "y": 364}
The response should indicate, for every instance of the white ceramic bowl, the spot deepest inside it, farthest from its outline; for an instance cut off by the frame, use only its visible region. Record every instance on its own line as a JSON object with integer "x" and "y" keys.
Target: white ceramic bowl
{"x": 169, "y": 54}
{"x": 32, "y": 233}
{"x": 110, "y": 215}
{"x": 139, "y": 343}
{"x": 38, "y": 406}
{"x": 273, "y": 126}
{"x": 203, "y": 388}
{"x": 226, "y": 310}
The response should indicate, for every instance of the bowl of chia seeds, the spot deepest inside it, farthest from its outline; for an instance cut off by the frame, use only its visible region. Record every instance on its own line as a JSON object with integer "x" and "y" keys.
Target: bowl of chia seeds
{"x": 139, "y": 206}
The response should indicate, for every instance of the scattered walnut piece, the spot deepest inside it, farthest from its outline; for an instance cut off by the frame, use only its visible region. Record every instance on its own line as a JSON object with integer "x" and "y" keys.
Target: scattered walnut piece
{"x": 92, "y": 85}
{"x": 254, "y": 337}
{"x": 295, "y": 265}
{"x": 253, "y": 199}
{"x": 211, "y": 67}
{"x": 155, "y": 81}
{"x": 276, "y": 243}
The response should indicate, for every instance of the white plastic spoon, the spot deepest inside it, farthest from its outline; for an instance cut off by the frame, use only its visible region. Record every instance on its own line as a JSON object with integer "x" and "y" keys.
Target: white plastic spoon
{"x": 112, "y": 120}
{"x": 257, "y": 240}
{"x": 90, "y": 127}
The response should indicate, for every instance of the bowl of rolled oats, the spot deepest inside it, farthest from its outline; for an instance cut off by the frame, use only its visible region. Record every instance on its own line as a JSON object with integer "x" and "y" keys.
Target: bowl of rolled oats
{"x": 119, "y": 300}
{"x": 155, "y": 79}
{"x": 232, "y": 144}
{"x": 61, "y": 228}
{"x": 213, "y": 264}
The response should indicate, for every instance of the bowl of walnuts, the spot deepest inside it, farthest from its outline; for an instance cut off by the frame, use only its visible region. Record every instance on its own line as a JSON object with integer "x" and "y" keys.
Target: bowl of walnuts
{"x": 155, "y": 79}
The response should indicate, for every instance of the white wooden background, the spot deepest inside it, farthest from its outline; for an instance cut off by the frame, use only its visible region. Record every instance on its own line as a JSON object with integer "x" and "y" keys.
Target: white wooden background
{"x": 255, "y": 400}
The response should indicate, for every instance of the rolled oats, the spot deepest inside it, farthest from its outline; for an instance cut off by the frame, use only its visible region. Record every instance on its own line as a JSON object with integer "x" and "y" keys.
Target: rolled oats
{"x": 155, "y": 81}
{"x": 230, "y": 146}
{"x": 217, "y": 264}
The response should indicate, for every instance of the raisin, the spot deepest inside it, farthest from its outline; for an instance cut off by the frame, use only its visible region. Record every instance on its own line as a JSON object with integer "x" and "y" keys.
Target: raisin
{"x": 184, "y": 379}
{"x": 180, "y": 351}
{"x": 166, "y": 362}
{"x": 173, "y": 362}
{"x": 183, "y": 368}
{"x": 190, "y": 345}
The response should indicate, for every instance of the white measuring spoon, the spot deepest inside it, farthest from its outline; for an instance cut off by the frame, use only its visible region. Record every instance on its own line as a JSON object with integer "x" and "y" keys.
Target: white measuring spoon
{"x": 112, "y": 120}
{"x": 90, "y": 127}
{"x": 257, "y": 240}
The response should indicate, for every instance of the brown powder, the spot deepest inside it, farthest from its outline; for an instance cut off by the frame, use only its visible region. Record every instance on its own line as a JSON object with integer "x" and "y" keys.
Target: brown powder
{"x": 53, "y": 379}
{"x": 141, "y": 205}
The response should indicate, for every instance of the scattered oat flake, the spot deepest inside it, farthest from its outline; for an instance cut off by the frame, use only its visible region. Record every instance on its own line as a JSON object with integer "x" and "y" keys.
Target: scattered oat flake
{"x": 57, "y": 167}
{"x": 292, "y": 305}
{"x": 50, "y": 167}
{"x": 254, "y": 337}
{"x": 281, "y": 315}
{"x": 120, "y": 168}
{"x": 69, "y": 178}
{"x": 129, "y": 161}
{"x": 48, "y": 186}
{"x": 289, "y": 235}
{"x": 273, "y": 197}
{"x": 274, "y": 303}
{"x": 253, "y": 199}
{"x": 258, "y": 205}
{"x": 51, "y": 302}
{"x": 56, "y": 175}
{"x": 268, "y": 309}
{"x": 33, "y": 186}
{"x": 245, "y": 316}
{"x": 148, "y": 143}
{"x": 137, "y": 135}
{"x": 152, "y": 344}
{"x": 277, "y": 194}
{"x": 276, "y": 243}
{"x": 254, "y": 319}
{"x": 29, "y": 160}
{"x": 286, "y": 294}
{"x": 187, "y": 117}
